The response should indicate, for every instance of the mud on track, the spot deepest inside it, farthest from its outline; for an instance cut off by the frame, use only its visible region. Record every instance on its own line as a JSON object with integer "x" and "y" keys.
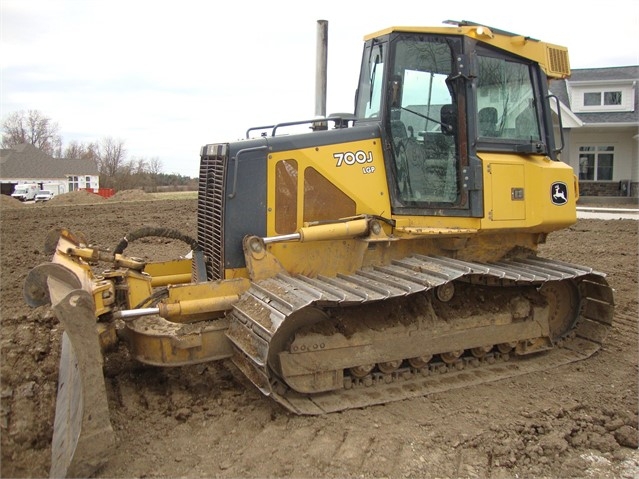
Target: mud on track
{"x": 578, "y": 420}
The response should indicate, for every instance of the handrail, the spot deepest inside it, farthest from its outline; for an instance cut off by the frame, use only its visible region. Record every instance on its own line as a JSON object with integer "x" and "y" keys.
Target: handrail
{"x": 561, "y": 126}
{"x": 340, "y": 122}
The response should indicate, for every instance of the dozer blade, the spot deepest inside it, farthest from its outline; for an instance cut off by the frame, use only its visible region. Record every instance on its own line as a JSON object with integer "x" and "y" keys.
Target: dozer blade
{"x": 36, "y": 288}
{"x": 82, "y": 434}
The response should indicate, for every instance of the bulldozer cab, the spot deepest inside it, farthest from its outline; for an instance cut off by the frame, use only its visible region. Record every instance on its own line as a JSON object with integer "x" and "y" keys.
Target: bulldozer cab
{"x": 442, "y": 99}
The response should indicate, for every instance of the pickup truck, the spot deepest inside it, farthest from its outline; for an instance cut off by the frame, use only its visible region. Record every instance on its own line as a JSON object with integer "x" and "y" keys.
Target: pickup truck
{"x": 43, "y": 195}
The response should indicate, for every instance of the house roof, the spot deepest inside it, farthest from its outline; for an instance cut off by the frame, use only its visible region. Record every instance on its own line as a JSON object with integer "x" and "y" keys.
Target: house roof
{"x": 27, "y": 161}
{"x": 594, "y": 75}
{"x": 608, "y": 73}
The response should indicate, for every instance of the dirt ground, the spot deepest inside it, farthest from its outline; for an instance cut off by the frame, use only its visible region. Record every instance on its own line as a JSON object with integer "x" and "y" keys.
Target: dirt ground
{"x": 578, "y": 420}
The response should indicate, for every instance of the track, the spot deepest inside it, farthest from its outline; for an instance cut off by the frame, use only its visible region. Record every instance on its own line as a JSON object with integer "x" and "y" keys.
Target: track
{"x": 265, "y": 320}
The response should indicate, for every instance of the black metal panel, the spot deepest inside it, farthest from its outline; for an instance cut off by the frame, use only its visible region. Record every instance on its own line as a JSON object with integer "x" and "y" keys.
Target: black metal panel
{"x": 245, "y": 197}
{"x": 231, "y": 202}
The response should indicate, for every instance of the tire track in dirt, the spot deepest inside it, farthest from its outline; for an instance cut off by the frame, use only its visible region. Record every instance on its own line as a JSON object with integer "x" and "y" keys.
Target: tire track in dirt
{"x": 625, "y": 331}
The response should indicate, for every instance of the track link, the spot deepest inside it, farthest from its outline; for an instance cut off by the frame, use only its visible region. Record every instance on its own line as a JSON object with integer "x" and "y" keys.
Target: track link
{"x": 267, "y": 316}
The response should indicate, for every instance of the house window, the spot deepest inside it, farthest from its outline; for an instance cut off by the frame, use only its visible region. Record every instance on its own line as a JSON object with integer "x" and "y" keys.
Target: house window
{"x": 591, "y": 99}
{"x": 596, "y": 162}
{"x": 74, "y": 183}
{"x": 88, "y": 182}
{"x": 598, "y": 97}
{"x": 610, "y": 98}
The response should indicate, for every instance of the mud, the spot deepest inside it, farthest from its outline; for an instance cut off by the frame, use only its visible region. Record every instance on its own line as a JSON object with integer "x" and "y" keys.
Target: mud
{"x": 578, "y": 420}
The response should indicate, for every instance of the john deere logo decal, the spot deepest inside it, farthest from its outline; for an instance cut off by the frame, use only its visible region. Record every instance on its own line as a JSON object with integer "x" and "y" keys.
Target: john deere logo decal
{"x": 559, "y": 193}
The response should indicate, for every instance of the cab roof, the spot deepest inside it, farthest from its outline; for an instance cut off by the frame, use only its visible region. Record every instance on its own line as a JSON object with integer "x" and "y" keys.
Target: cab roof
{"x": 553, "y": 59}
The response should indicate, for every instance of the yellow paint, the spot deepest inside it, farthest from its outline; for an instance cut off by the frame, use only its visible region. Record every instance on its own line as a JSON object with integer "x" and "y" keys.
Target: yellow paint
{"x": 169, "y": 272}
{"x": 191, "y": 302}
{"x": 518, "y": 211}
{"x": 366, "y": 186}
{"x": 331, "y": 231}
{"x": 156, "y": 341}
{"x": 186, "y": 311}
{"x": 506, "y": 179}
{"x": 139, "y": 288}
{"x": 536, "y": 175}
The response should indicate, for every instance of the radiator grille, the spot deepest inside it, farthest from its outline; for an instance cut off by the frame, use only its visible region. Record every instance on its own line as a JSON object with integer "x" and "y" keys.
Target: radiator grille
{"x": 210, "y": 208}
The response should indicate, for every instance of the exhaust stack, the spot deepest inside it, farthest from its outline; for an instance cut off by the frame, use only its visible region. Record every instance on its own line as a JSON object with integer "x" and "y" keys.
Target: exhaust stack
{"x": 321, "y": 68}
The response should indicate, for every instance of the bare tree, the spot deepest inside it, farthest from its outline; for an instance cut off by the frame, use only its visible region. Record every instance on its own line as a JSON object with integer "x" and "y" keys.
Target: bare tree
{"x": 34, "y": 128}
{"x": 111, "y": 156}
{"x": 155, "y": 166}
{"x": 139, "y": 166}
{"x": 81, "y": 151}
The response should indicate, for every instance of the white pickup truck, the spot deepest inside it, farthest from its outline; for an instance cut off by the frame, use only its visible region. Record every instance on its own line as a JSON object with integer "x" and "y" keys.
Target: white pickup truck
{"x": 43, "y": 195}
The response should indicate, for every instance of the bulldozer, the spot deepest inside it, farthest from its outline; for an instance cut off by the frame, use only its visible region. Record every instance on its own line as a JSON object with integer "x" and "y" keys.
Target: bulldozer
{"x": 376, "y": 256}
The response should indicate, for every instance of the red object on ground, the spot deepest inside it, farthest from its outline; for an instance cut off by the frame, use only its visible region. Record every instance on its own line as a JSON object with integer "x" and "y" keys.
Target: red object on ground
{"x": 104, "y": 192}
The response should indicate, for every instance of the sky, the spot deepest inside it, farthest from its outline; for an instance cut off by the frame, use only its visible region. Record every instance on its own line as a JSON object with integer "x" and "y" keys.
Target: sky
{"x": 167, "y": 77}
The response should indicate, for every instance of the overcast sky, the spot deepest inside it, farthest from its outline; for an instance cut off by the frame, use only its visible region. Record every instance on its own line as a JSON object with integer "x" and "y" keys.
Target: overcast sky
{"x": 167, "y": 77}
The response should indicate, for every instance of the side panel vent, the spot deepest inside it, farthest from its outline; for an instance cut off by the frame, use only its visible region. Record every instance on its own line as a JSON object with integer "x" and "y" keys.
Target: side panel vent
{"x": 210, "y": 208}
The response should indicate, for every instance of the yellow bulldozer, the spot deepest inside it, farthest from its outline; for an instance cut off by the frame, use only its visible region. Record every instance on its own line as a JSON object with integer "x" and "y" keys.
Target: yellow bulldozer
{"x": 376, "y": 256}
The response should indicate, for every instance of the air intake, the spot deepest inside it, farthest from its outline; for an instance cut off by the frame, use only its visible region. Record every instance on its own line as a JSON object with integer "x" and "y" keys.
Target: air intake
{"x": 558, "y": 63}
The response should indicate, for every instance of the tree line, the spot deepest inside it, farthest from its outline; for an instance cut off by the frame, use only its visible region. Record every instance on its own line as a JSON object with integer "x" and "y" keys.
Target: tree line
{"x": 110, "y": 155}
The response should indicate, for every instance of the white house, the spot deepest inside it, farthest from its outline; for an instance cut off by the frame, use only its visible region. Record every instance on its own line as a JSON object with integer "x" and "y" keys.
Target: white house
{"x": 27, "y": 164}
{"x": 600, "y": 117}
